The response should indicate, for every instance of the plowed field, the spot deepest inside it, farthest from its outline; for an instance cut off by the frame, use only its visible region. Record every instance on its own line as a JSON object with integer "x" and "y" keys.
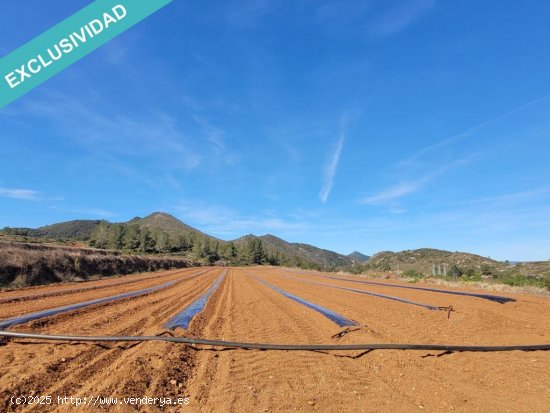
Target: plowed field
{"x": 247, "y": 310}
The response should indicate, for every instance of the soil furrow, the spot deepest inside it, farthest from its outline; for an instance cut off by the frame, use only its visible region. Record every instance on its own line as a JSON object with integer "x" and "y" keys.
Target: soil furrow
{"x": 244, "y": 309}
{"x": 87, "y": 369}
{"x": 8, "y": 310}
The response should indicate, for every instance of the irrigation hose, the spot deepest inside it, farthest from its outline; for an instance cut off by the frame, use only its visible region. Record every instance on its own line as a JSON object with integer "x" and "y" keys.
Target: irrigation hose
{"x": 280, "y": 347}
{"x": 491, "y": 297}
{"x": 384, "y": 296}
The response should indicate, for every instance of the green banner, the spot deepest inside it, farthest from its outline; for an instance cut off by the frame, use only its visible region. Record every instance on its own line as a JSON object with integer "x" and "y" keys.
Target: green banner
{"x": 64, "y": 44}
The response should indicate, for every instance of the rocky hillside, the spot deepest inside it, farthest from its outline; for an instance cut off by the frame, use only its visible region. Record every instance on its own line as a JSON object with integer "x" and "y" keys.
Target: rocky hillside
{"x": 424, "y": 259}
{"x": 159, "y": 221}
{"x": 79, "y": 230}
{"x": 295, "y": 253}
{"x": 358, "y": 257}
{"x": 162, "y": 233}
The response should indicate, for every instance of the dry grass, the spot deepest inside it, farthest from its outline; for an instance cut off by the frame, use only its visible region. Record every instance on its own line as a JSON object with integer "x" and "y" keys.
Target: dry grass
{"x": 488, "y": 284}
{"x": 24, "y": 265}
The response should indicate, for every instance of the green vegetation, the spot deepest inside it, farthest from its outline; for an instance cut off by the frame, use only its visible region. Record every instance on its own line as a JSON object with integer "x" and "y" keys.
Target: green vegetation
{"x": 78, "y": 230}
{"x": 412, "y": 273}
{"x": 455, "y": 271}
{"x": 471, "y": 274}
{"x": 357, "y": 269}
{"x": 416, "y": 264}
{"x": 509, "y": 275}
{"x": 133, "y": 238}
{"x": 358, "y": 257}
{"x": 520, "y": 280}
{"x": 24, "y": 265}
{"x": 163, "y": 234}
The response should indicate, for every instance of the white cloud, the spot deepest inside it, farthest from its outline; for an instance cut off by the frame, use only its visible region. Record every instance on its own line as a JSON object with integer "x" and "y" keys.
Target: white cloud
{"x": 330, "y": 170}
{"x": 404, "y": 188}
{"x": 172, "y": 181}
{"x": 338, "y": 13}
{"x": 429, "y": 160}
{"x": 156, "y": 137}
{"x": 398, "y": 18}
{"x": 249, "y": 13}
{"x": 458, "y": 138}
{"x": 378, "y": 18}
{"x": 392, "y": 193}
{"x": 97, "y": 212}
{"x": 511, "y": 197}
{"x": 21, "y": 194}
{"x": 331, "y": 166}
{"x": 219, "y": 220}
{"x": 214, "y": 136}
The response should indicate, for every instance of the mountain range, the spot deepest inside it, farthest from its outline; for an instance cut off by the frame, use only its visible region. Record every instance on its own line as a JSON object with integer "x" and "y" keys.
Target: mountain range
{"x": 82, "y": 230}
{"x": 425, "y": 260}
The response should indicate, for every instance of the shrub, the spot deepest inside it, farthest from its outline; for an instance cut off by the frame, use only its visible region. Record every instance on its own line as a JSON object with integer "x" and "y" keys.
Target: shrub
{"x": 385, "y": 266}
{"x": 455, "y": 271}
{"x": 486, "y": 269}
{"x": 412, "y": 273}
{"x": 356, "y": 269}
{"x": 520, "y": 280}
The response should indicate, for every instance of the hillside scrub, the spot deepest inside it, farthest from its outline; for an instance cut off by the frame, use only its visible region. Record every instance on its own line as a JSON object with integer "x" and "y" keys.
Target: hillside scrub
{"x": 161, "y": 233}
{"x": 23, "y": 265}
{"x": 522, "y": 275}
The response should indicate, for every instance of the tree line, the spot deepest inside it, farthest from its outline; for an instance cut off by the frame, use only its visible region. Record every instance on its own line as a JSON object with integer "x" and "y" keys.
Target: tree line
{"x": 133, "y": 238}
{"x": 137, "y": 239}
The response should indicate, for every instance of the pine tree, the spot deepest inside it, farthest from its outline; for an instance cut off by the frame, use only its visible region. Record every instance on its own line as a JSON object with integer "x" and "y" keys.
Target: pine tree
{"x": 99, "y": 236}
{"x": 229, "y": 251}
{"x": 146, "y": 242}
{"x": 162, "y": 241}
{"x": 455, "y": 271}
{"x": 255, "y": 251}
{"x": 115, "y": 236}
{"x": 132, "y": 237}
{"x": 182, "y": 243}
{"x": 200, "y": 249}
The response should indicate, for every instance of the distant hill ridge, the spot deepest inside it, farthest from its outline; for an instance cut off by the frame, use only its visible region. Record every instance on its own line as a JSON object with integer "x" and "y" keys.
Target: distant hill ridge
{"x": 303, "y": 252}
{"x": 78, "y": 230}
{"x": 170, "y": 224}
{"x": 160, "y": 222}
{"x": 427, "y": 260}
{"x": 289, "y": 252}
{"x": 358, "y": 257}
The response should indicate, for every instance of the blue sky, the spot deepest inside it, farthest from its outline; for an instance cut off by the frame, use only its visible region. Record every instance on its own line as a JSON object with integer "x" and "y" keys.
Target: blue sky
{"x": 351, "y": 125}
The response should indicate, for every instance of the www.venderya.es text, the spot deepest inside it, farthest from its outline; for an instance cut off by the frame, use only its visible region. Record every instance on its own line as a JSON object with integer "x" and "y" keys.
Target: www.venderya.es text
{"x": 98, "y": 401}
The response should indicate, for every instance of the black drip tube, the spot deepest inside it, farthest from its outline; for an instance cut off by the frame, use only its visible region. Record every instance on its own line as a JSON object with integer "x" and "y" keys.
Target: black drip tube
{"x": 279, "y": 347}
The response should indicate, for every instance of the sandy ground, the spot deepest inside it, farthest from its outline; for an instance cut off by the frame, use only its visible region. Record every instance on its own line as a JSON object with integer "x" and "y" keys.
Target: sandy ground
{"x": 243, "y": 309}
